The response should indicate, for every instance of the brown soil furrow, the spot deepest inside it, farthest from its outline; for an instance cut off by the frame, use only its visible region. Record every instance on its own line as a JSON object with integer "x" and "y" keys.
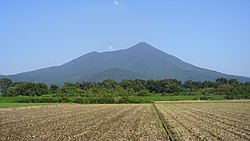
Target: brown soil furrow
{"x": 81, "y": 122}
{"x": 242, "y": 113}
{"x": 35, "y": 114}
{"x": 207, "y": 123}
{"x": 102, "y": 125}
{"x": 208, "y": 120}
{"x": 179, "y": 129}
{"x": 43, "y": 120}
{"x": 143, "y": 120}
{"x": 226, "y": 120}
{"x": 30, "y": 127}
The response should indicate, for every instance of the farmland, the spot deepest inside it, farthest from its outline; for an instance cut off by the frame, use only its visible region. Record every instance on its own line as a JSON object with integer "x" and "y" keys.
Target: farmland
{"x": 81, "y": 122}
{"x": 176, "y": 120}
{"x": 196, "y": 120}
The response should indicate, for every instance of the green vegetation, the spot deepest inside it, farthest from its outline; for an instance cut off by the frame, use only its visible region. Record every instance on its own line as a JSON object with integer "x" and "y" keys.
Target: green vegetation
{"x": 9, "y": 105}
{"x": 25, "y": 100}
{"x": 6, "y": 102}
{"x": 126, "y": 91}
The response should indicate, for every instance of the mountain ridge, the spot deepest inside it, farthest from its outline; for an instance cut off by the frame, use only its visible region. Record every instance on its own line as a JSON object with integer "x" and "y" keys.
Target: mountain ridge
{"x": 141, "y": 61}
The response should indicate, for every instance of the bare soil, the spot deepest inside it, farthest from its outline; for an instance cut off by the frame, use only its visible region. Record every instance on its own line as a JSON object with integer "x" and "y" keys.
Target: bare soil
{"x": 81, "y": 122}
{"x": 212, "y": 120}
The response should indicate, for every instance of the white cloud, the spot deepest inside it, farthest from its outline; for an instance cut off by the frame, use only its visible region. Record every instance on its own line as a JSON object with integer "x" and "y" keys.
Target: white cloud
{"x": 116, "y": 2}
{"x": 110, "y": 48}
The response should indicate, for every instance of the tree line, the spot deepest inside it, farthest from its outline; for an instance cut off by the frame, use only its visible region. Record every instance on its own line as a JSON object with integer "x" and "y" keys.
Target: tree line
{"x": 229, "y": 88}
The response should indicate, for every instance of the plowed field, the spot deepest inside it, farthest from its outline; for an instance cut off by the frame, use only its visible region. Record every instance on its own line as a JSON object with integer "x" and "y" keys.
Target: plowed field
{"x": 224, "y": 120}
{"x": 183, "y": 120}
{"x": 81, "y": 122}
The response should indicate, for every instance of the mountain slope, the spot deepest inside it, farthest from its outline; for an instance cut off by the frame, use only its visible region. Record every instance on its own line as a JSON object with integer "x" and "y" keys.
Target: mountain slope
{"x": 114, "y": 74}
{"x": 140, "y": 61}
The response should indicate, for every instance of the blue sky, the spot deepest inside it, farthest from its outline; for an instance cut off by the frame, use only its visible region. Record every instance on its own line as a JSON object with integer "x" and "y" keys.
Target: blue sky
{"x": 213, "y": 34}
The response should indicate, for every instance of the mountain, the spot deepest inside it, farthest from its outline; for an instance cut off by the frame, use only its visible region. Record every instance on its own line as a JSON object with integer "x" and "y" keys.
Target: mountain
{"x": 114, "y": 74}
{"x": 141, "y": 61}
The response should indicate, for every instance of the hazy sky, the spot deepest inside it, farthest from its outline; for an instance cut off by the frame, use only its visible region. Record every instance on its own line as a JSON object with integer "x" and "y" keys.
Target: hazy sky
{"x": 213, "y": 34}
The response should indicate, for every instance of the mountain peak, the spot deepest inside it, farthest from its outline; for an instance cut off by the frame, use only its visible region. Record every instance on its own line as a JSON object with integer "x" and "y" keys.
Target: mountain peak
{"x": 143, "y": 44}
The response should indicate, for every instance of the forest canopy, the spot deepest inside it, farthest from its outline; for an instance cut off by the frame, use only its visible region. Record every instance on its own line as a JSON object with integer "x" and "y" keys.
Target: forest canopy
{"x": 230, "y": 89}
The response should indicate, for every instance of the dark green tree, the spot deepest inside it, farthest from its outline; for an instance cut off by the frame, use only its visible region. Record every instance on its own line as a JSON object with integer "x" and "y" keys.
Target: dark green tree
{"x": 53, "y": 88}
{"x": 5, "y": 83}
{"x": 109, "y": 84}
{"x": 190, "y": 84}
{"x": 233, "y": 82}
{"x": 27, "y": 89}
{"x": 222, "y": 80}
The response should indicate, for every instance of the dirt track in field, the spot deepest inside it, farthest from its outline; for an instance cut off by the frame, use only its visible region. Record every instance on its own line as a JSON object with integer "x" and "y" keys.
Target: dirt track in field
{"x": 224, "y": 120}
{"x": 81, "y": 122}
